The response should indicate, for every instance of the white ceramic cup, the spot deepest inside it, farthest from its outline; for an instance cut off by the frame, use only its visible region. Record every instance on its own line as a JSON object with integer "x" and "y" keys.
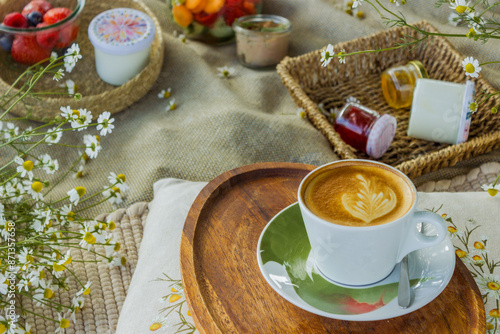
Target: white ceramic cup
{"x": 361, "y": 255}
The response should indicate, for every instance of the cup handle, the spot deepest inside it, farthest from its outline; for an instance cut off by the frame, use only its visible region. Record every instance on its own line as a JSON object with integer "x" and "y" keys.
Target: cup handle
{"x": 416, "y": 240}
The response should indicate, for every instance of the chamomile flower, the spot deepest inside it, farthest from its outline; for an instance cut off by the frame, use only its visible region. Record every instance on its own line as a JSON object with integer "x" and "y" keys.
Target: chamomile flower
{"x": 460, "y": 6}
{"x": 171, "y": 105}
{"x": 105, "y": 123}
{"x": 53, "y": 56}
{"x": 301, "y": 113}
{"x": 341, "y": 56}
{"x": 93, "y": 147}
{"x": 357, "y": 3}
{"x": 327, "y": 55}
{"x": 182, "y": 38}
{"x": 119, "y": 181}
{"x": 11, "y": 131}
{"x": 489, "y": 284}
{"x": 85, "y": 290}
{"x": 63, "y": 322}
{"x": 4, "y": 287}
{"x": 75, "y": 194}
{"x": 70, "y": 86}
{"x": 491, "y": 188}
{"x": 226, "y": 72}
{"x": 113, "y": 195}
{"x": 81, "y": 119}
{"x": 53, "y": 136}
{"x": 79, "y": 173}
{"x": 352, "y": 99}
{"x": 165, "y": 94}
{"x": 71, "y": 57}
{"x": 159, "y": 322}
{"x": 49, "y": 165}
{"x": 34, "y": 189}
{"x": 25, "y": 167}
{"x": 58, "y": 75}
{"x": 67, "y": 112}
{"x": 471, "y": 67}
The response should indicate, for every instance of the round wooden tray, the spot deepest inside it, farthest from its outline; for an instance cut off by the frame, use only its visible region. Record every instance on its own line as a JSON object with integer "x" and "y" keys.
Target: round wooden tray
{"x": 226, "y": 292}
{"x": 98, "y": 96}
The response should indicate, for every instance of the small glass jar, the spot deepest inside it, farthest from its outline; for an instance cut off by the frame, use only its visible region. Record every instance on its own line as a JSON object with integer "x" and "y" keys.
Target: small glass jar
{"x": 398, "y": 83}
{"x": 365, "y": 130}
{"x": 211, "y": 21}
{"x": 261, "y": 40}
{"x": 122, "y": 40}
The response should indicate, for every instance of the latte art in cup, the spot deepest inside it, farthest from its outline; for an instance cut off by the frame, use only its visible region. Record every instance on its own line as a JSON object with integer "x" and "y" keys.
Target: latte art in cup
{"x": 358, "y": 194}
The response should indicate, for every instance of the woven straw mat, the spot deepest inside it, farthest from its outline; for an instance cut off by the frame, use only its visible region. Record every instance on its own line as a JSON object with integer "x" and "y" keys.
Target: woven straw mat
{"x": 109, "y": 285}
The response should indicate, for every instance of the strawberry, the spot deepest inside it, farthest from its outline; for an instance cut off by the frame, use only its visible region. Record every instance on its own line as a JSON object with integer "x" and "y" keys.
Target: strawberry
{"x": 56, "y": 14}
{"x": 47, "y": 39}
{"x": 67, "y": 35}
{"x": 15, "y": 20}
{"x": 40, "y": 6}
{"x": 25, "y": 50}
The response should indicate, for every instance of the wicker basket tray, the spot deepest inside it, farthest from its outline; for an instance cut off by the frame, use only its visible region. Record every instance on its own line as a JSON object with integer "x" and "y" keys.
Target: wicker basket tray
{"x": 98, "y": 96}
{"x": 311, "y": 84}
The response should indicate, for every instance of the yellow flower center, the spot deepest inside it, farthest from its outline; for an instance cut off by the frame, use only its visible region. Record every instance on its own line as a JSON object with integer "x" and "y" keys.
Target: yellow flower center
{"x": 37, "y": 186}
{"x": 489, "y": 326}
{"x": 116, "y": 189}
{"x": 189, "y": 312}
{"x": 492, "y": 191}
{"x": 29, "y": 258}
{"x": 76, "y": 112}
{"x": 122, "y": 177}
{"x": 58, "y": 267}
{"x": 86, "y": 292}
{"x": 89, "y": 238}
{"x": 123, "y": 261}
{"x": 28, "y": 165}
{"x": 80, "y": 191}
{"x": 173, "y": 298}
{"x": 451, "y": 229}
{"x": 473, "y": 106}
{"x": 42, "y": 274}
{"x": 469, "y": 68}
{"x": 174, "y": 290}
{"x": 98, "y": 138}
{"x": 477, "y": 258}
{"x": 494, "y": 110}
{"x": 111, "y": 225}
{"x": 461, "y": 9}
{"x": 166, "y": 94}
{"x": 494, "y": 313}
{"x": 155, "y": 326}
{"x": 493, "y": 286}
{"x": 117, "y": 247}
{"x": 64, "y": 323}
{"x": 79, "y": 174}
{"x": 460, "y": 253}
{"x": 478, "y": 245}
{"x": 3, "y": 329}
{"x": 68, "y": 260}
{"x": 70, "y": 216}
{"x": 85, "y": 157}
{"x": 48, "y": 294}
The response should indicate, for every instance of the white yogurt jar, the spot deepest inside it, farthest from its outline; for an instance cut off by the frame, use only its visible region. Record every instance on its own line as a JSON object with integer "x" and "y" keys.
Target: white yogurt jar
{"x": 122, "y": 40}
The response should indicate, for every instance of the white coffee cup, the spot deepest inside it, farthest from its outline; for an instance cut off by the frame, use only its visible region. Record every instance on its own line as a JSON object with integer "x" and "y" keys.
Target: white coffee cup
{"x": 367, "y": 253}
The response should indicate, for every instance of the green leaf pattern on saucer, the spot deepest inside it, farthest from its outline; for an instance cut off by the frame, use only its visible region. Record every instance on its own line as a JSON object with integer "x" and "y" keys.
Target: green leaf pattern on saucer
{"x": 285, "y": 242}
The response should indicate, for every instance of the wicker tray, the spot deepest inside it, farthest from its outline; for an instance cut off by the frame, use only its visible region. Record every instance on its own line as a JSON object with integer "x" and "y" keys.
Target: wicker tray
{"x": 310, "y": 84}
{"x": 98, "y": 96}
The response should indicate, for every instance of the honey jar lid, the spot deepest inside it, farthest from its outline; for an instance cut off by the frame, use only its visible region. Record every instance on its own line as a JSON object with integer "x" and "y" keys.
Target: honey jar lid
{"x": 381, "y": 136}
{"x": 420, "y": 67}
{"x": 121, "y": 31}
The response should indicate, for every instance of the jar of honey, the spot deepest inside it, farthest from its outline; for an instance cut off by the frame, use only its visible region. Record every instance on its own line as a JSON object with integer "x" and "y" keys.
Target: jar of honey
{"x": 365, "y": 130}
{"x": 398, "y": 83}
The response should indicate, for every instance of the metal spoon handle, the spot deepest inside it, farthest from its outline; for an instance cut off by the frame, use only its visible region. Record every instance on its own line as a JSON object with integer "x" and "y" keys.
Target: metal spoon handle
{"x": 404, "y": 285}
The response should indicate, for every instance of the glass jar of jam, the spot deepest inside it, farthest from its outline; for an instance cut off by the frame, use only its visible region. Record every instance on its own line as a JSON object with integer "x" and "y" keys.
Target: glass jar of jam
{"x": 398, "y": 83}
{"x": 365, "y": 130}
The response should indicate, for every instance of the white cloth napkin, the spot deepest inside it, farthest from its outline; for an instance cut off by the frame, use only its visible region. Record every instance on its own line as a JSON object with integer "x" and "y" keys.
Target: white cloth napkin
{"x": 155, "y": 288}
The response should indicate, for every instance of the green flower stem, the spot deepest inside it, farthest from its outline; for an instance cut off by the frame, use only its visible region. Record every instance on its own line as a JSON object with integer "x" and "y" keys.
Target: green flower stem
{"x": 496, "y": 180}
{"x": 38, "y": 315}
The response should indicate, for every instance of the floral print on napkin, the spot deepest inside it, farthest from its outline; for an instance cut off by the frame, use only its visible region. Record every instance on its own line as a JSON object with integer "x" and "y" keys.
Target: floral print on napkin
{"x": 472, "y": 249}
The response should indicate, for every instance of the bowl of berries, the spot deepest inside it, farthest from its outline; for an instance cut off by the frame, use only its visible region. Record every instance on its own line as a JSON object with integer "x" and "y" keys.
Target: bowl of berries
{"x": 32, "y": 29}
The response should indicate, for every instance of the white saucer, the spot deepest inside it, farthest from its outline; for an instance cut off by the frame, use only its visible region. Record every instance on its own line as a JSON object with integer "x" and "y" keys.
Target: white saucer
{"x": 283, "y": 256}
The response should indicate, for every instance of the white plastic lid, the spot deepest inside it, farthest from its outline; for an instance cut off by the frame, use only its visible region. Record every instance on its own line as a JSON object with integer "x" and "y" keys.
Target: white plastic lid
{"x": 121, "y": 31}
{"x": 381, "y": 136}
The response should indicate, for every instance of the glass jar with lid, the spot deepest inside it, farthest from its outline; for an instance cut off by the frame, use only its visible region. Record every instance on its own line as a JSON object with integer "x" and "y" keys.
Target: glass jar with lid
{"x": 398, "y": 83}
{"x": 211, "y": 21}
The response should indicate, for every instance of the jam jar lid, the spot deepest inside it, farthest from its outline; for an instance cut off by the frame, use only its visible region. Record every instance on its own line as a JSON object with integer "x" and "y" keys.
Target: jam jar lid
{"x": 121, "y": 31}
{"x": 420, "y": 67}
{"x": 381, "y": 136}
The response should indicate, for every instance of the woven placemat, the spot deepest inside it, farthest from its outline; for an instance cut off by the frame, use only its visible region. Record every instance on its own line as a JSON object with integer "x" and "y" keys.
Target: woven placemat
{"x": 109, "y": 285}
{"x": 98, "y": 96}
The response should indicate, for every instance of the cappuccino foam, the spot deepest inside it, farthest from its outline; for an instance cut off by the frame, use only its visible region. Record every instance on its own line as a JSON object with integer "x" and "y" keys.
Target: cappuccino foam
{"x": 357, "y": 194}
